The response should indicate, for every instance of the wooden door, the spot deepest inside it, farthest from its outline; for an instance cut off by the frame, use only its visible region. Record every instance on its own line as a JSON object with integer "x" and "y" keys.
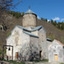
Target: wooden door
{"x": 16, "y": 55}
{"x": 56, "y": 57}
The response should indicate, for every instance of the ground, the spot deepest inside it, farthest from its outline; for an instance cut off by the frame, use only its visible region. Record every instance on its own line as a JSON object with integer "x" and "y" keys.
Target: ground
{"x": 27, "y": 62}
{"x": 42, "y": 63}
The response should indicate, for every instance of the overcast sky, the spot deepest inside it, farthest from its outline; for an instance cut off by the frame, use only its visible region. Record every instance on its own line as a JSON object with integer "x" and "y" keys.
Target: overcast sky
{"x": 50, "y": 9}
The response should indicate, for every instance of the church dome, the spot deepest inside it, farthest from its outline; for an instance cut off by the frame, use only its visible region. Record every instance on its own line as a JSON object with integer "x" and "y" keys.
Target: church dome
{"x": 29, "y": 19}
{"x": 30, "y": 12}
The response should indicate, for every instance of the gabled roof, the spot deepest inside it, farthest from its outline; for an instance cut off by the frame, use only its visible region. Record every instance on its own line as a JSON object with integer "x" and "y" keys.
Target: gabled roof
{"x": 32, "y": 29}
{"x": 30, "y": 34}
{"x": 37, "y": 28}
{"x": 27, "y": 31}
{"x": 56, "y": 42}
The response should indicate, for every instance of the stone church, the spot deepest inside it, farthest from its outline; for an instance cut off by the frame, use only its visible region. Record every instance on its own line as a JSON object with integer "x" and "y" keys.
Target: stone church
{"x": 27, "y": 42}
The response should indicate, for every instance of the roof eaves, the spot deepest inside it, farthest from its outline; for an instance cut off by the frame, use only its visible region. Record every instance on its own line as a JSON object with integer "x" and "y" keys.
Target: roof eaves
{"x": 37, "y": 28}
{"x": 59, "y": 42}
{"x": 30, "y": 34}
{"x": 27, "y": 30}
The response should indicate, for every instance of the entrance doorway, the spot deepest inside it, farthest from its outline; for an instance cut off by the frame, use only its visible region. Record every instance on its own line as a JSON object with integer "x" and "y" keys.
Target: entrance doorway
{"x": 40, "y": 53}
{"x": 56, "y": 57}
{"x": 16, "y": 55}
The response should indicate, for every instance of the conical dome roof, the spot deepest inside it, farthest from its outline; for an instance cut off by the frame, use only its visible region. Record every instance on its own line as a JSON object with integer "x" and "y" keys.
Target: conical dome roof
{"x": 30, "y": 12}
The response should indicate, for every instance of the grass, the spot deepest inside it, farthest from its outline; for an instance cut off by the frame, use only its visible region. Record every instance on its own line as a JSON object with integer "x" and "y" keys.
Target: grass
{"x": 0, "y": 51}
{"x": 0, "y": 54}
{"x": 61, "y": 63}
{"x": 44, "y": 60}
{"x": 15, "y": 62}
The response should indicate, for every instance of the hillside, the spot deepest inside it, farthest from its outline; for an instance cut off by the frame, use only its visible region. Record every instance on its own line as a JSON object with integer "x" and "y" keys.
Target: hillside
{"x": 51, "y": 31}
{"x": 10, "y": 21}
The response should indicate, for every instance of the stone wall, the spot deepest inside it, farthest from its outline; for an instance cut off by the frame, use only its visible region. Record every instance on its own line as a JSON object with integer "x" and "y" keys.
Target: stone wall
{"x": 29, "y": 20}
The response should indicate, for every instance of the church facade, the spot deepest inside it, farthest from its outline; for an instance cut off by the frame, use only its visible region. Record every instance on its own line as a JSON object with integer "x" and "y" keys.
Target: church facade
{"x": 28, "y": 40}
{"x": 56, "y": 51}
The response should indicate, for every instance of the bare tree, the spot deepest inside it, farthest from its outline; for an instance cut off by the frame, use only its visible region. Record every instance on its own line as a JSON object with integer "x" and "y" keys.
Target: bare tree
{"x": 5, "y": 6}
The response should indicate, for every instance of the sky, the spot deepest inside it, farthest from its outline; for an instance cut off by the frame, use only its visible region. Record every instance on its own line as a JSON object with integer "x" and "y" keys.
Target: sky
{"x": 48, "y": 9}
